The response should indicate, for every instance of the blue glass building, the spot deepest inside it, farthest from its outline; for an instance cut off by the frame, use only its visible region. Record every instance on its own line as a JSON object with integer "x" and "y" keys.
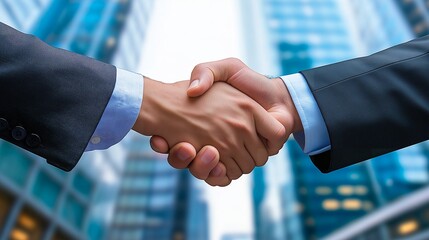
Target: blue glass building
{"x": 306, "y": 34}
{"x": 38, "y": 201}
{"x": 91, "y": 28}
{"x": 378, "y": 26}
{"x": 197, "y": 210}
{"x": 325, "y": 202}
{"x": 157, "y": 201}
{"x": 263, "y": 230}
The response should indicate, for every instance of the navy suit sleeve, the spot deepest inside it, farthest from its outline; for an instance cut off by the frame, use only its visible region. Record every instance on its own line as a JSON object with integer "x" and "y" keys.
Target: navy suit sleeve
{"x": 51, "y": 100}
{"x": 373, "y": 105}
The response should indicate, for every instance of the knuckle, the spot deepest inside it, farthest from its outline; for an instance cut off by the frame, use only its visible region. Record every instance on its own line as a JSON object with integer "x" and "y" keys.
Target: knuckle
{"x": 226, "y": 183}
{"x": 281, "y": 134}
{"x": 274, "y": 150}
{"x": 248, "y": 169}
{"x": 241, "y": 126}
{"x": 246, "y": 105}
{"x": 223, "y": 147}
{"x": 233, "y": 60}
{"x": 199, "y": 67}
{"x": 235, "y": 175}
{"x": 261, "y": 161}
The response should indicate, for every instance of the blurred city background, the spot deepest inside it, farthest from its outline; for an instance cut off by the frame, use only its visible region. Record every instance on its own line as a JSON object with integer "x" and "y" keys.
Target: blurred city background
{"x": 129, "y": 192}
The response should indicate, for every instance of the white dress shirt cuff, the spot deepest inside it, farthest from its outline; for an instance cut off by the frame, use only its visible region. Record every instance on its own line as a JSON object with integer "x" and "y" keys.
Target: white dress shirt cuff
{"x": 121, "y": 112}
{"x": 315, "y": 138}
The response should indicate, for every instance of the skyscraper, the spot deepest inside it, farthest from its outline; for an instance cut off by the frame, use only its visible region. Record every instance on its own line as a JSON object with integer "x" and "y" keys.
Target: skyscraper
{"x": 36, "y": 199}
{"x": 43, "y": 202}
{"x": 402, "y": 219}
{"x": 94, "y": 28}
{"x": 197, "y": 216}
{"x": 145, "y": 206}
{"x": 311, "y": 33}
{"x": 308, "y": 34}
{"x": 326, "y": 202}
{"x": 258, "y": 195}
{"x": 157, "y": 201}
{"x": 378, "y": 25}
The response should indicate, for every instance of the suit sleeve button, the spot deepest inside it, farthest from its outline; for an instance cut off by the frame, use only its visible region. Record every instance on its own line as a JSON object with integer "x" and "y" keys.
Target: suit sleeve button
{"x": 33, "y": 140}
{"x": 4, "y": 125}
{"x": 19, "y": 133}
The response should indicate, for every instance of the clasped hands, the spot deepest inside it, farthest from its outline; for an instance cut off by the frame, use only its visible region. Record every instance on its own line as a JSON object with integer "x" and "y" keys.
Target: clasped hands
{"x": 219, "y": 131}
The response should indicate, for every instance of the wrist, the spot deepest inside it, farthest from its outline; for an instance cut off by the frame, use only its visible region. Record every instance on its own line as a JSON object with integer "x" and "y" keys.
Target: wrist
{"x": 147, "y": 117}
{"x": 285, "y": 100}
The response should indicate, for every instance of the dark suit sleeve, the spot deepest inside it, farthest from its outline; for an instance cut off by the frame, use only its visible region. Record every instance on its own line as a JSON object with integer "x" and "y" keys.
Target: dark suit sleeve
{"x": 373, "y": 105}
{"x": 51, "y": 100}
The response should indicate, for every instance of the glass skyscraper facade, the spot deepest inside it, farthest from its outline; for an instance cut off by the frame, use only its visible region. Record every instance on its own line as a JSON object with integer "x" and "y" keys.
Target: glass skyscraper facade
{"x": 378, "y": 26}
{"x": 91, "y": 28}
{"x": 156, "y": 201}
{"x": 323, "y": 203}
{"x": 38, "y": 201}
{"x": 145, "y": 206}
{"x": 42, "y": 202}
{"x": 306, "y": 34}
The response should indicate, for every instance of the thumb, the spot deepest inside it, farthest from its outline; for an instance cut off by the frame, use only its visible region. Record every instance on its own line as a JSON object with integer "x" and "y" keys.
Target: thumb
{"x": 205, "y": 74}
{"x": 202, "y": 79}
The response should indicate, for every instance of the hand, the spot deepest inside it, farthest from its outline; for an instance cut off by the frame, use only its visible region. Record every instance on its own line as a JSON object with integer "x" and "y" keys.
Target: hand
{"x": 270, "y": 93}
{"x": 223, "y": 117}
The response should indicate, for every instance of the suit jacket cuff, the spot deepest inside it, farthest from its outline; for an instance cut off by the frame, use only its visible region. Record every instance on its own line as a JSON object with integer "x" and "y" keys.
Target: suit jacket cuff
{"x": 121, "y": 112}
{"x": 315, "y": 138}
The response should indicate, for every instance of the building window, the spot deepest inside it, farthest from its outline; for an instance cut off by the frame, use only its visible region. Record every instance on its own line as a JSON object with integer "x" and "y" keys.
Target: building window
{"x": 323, "y": 190}
{"x": 73, "y": 212}
{"x": 95, "y": 229}
{"x": 345, "y": 190}
{"x": 14, "y": 164}
{"x": 408, "y": 227}
{"x": 361, "y": 190}
{"x": 83, "y": 184}
{"x": 46, "y": 190}
{"x": 28, "y": 226}
{"x": 331, "y": 205}
{"x": 5, "y": 204}
{"x": 352, "y": 204}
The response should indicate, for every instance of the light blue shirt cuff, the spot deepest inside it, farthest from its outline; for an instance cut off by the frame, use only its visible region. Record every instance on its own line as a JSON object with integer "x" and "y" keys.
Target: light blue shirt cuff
{"x": 315, "y": 138}
{"x": 121, "y": 112}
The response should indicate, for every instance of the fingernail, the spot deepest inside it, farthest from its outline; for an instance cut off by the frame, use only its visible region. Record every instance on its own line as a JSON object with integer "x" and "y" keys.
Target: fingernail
{"x": 207, "y": 156}
{"x": 216, "y": 172}
{"x": 182, "y": 155}
{"x": 194, "y": 84}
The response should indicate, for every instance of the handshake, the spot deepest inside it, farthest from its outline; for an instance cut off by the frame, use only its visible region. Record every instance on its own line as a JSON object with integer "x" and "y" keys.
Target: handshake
{"x": 222, "y": 124}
